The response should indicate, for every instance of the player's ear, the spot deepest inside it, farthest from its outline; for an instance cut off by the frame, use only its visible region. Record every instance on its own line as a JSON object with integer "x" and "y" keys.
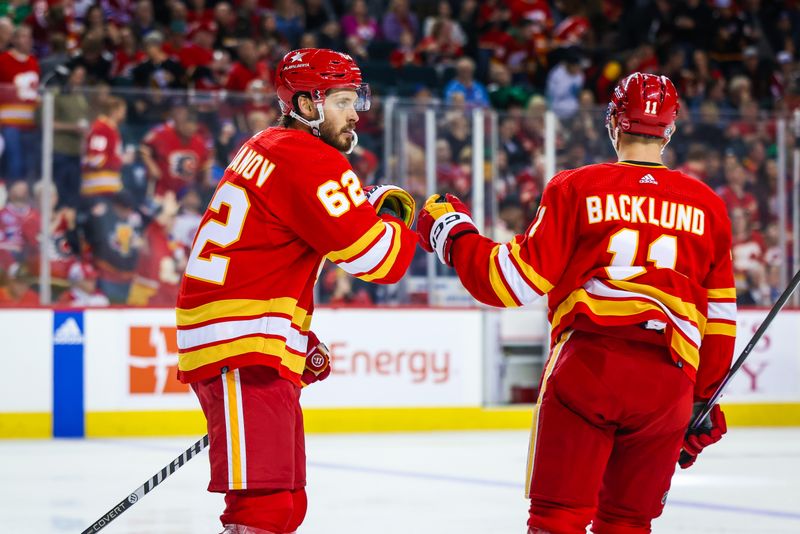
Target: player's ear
{"x": 306, "y": 106}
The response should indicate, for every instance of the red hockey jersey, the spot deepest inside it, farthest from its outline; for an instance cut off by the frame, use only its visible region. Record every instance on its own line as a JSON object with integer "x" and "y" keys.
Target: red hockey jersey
{"x": 286, "y": 202}
{"x": 102, "y": 162}
{"x": 622, "y": 245}
{"x": 182, "y": 162}
{"x": 19, "y": 83}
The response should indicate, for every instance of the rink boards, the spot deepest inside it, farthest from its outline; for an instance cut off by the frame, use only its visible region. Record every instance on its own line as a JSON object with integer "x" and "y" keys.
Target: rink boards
{"x": 111, "y": 372}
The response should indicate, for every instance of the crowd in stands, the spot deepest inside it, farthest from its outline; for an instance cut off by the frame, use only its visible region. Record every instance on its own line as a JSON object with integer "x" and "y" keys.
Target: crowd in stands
{"x": 153, "y": 99}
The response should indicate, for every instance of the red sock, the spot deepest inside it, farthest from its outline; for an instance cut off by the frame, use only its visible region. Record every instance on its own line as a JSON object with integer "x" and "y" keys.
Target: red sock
{"x": 268, "y": 510}
{"x": 300, "y": 501}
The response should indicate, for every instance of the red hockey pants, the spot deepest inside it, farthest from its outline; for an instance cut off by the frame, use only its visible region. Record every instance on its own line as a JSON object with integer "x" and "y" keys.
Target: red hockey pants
{"x": 607, "y": 431}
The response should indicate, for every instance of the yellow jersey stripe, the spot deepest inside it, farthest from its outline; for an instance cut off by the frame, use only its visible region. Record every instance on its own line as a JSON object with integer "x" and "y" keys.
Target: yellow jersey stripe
{"x": 191, "y": 360}
{"x": 686, "y": 350}
{"x": 643, "y": 165}
{"x": 359, "y": 245}
{"x": 391, "y": 256}
{"x": 619, "y": 308}
{"x": 720, "y": 329}
{"x": 539, "y": 281}
{"x": 497, "y": 282}
{"x": 221, "y": 309}
{"x": 726, "y": 293}
{"x": 681, "y": 307}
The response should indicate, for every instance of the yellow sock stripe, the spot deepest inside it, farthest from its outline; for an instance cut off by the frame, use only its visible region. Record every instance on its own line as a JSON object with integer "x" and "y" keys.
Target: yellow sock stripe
{"x": 535, "y": 425}
{"x": 359, "y": 245}
{"x": 496, "y": 280}
{"x": 391, "y": 256}
{"x": 233, "y": 429}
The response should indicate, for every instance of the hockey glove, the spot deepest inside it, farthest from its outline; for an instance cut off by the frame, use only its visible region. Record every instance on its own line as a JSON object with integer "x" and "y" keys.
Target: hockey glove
{"x": 442, "y": 220}
{"x": 710, "y": 431}
{"x": 318, "y": 362}
{"x": 392, "y": 200}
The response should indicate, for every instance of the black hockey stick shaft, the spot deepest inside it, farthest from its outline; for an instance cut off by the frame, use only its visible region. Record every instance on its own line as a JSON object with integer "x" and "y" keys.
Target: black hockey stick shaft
{"x": 779, "y": 304}
{"x": 145, "y": 488}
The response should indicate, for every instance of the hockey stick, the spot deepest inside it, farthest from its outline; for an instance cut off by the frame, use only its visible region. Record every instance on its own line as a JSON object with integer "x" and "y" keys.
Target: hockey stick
{"x": 779, "y": 304}
{"x": 145, "y": 488}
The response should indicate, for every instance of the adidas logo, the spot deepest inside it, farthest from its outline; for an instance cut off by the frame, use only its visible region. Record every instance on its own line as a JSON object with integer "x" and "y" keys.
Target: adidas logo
{"x": 648, "y": 179}
{"x": 69, "y": 333}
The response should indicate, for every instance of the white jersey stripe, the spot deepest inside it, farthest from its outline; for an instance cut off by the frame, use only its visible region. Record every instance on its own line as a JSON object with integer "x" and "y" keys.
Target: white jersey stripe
{"x": 722, "y": 310}
{"x": 595, "y": 287}
{"x": 373, "y": 256}
{"x": 519, "y": 286}
{"x": 225, "y": 330}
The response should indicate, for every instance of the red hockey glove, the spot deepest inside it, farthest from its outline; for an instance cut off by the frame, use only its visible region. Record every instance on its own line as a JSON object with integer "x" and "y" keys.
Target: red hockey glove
{"x": 392, "y": 200}
{"x": 318, "y": 362}
{"x": 710, "y": 431}
{"x": 442, "y": 220}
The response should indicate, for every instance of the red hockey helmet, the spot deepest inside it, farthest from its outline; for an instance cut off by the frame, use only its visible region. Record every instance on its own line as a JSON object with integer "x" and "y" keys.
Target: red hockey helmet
{"x": 645, "y": 104}
{"x": 315, "y": 71}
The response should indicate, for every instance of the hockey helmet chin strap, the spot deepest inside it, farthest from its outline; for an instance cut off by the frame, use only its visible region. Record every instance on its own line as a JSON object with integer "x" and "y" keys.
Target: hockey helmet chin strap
{"x": 315, "y": 124}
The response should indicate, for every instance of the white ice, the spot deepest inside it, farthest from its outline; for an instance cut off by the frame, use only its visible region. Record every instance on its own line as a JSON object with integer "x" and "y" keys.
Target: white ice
{"x": 425, "y": 483}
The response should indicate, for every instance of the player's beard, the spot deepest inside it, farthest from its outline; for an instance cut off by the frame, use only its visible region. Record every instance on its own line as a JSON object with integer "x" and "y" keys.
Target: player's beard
{"x": 335, "y": 136}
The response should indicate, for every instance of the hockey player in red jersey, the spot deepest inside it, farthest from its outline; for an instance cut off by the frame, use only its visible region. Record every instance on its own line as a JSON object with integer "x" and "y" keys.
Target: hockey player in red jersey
{"x": 635, "y": 260}
{"x": 288, "y": 201}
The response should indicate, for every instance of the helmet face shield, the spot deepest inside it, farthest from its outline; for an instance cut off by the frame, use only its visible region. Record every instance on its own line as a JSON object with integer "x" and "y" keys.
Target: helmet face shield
{"x": 363, "y": 98}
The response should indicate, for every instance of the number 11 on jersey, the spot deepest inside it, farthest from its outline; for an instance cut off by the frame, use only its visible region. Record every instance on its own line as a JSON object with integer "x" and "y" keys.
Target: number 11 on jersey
{"x": 624, "y": 245}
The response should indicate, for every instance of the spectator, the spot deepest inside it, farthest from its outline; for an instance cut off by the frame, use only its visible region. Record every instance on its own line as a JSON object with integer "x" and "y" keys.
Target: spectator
{"x": 748, "y": 255}
{"x": 6, "y": 32}
{"x": 734, "y": 193}
{"x": 564, "y": 84}
{"x": 439, "y": 49}
{"x": 158, "y": 71}
{"x": 63, "y": 244}
{"x": 161, "y": 260}
{"x": 444, "y": 15}
{"x": 144, "y": 21}
{"x": 177, "y": 154}
{"x": 113, "y": 233}
{"x": 406, "y": 52}
{"x": 502, "y": 92}
{"x": 19, "y": 222}
{"x": 289, "y": 20}
{"x": 93, "y": 57}
{"x": 57, "y": 57}
{"x": 188, "y": 219}
{"x": 102, "y": 164}
{"x": 474, "y": 92}
{"x": 19, "y": 83}
{"x": 18, "y": 292}
{"x": 70, "y": 123}
{"x": 318, "y": 13}
{"x": 399, "y": 19}
{"x": 83, "y": 290}
{"x": 249, "y": 74}
{"x": 227, "y": 28}
{"x": 127, "y": 54}
{"x": 359, "y": 24}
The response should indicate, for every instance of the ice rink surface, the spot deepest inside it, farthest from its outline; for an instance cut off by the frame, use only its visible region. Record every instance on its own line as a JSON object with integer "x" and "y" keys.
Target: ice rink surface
{"x": 426, "y": 483}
